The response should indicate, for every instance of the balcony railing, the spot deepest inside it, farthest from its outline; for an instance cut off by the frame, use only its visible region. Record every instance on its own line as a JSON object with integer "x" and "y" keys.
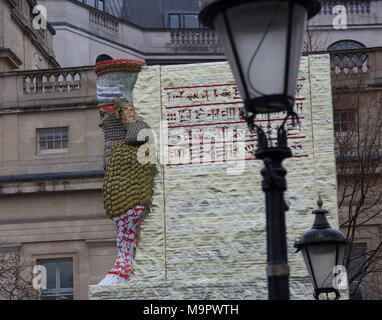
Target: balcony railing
{"x": 47, "y": 88}
{"x": 196, "y": 37}
{"x": 351, "y": 62}
{"x": 353, "y": 67}
{"x": 103, "y": 20}
{"x": 352, "y": 6}
{"x": 50, "y": 82}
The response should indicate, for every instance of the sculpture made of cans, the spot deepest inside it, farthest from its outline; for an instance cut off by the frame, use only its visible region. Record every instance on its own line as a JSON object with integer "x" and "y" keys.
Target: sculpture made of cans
{"x": 127, "y": 187}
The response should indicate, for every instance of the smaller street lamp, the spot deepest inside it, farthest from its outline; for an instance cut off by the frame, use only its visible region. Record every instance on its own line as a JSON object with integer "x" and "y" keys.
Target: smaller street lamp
{"x": 323, "y": 248}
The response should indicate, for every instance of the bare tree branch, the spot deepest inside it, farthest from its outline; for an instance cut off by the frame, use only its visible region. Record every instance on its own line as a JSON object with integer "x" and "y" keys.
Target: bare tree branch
{"x": 16, "y": 278}
{"x": 359, "y": 179}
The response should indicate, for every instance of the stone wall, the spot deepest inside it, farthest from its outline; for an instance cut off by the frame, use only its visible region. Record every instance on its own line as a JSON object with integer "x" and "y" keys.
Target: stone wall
{"x": 21, "y": 46}
{"x": 84, "y": 33}
{"x": 205, "y": 236}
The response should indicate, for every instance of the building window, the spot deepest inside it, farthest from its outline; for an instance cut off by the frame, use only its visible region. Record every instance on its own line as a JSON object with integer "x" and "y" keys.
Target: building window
{"x": 91, "y": 3}
{"x": 346, "y": 45}
{"x": 59, "y": 284}
{"x": 359, "y": 287}
{"x": 103, "y": 57}
{"x": 184, "y": 21}
{"x": 52, "y": 140}
{"x": 101, "y": 5}
{"x": 98, "y": 4}
{"x": 344, "y": 121}
{"x": 191, "y": 21}
{"x": 174, "y": 21}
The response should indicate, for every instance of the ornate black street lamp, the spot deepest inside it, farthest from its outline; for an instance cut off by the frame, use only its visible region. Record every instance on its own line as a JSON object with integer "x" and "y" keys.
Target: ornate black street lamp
{"x": 262, "y": 40}
{"x": 323, "y": 248}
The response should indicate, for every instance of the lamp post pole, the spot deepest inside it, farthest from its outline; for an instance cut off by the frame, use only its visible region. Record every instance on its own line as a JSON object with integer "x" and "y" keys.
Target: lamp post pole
{"x": 274, "y": 185}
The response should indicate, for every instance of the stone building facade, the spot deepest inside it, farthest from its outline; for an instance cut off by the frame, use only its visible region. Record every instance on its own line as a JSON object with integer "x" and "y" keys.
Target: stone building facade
{"x": 51, "y": 147}
{"x": 21, "y": 46}
{"x": 363, "y": 24}
{"x": 51, "y": 195}
{"x": 157, "y": 32}
{"x": 357, "y": 97}
{"x": 52, "y": 203}
{"x": 90, "y": 32}
{"x": 167, "y": 32}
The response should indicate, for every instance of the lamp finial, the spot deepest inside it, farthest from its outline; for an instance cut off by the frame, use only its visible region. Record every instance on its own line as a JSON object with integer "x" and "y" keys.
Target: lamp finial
{"x": 319, "y": 202}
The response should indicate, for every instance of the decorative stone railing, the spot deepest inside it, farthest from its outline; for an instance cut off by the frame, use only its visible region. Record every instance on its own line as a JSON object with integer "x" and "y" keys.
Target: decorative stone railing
{"x": 350, "y": 62}
{"x": 198, "y": 37}
{"x": 49, "y": 88}
{"x": 49, "y": 82}
{"x": 103, "y": 20}
{"x": 352, "y": 6}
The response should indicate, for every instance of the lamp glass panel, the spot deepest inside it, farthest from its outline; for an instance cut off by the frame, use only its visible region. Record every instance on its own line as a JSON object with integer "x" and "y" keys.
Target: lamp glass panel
{"x": 259, "y": 34}
{"x": 321, "y": 264}
{"x": 341, "y": 253}
{"x": 297, "y": 41}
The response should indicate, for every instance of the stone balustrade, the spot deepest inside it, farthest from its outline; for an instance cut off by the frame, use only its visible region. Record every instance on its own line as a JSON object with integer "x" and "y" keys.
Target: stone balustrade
{"x": 352, "y": 6}
{"x": 49, "y": 87}
{"x": 50, "y": 82}
{"x": 201, "y": 37}
{"x": 348, "y": 67}
{"x": 350, "y": 62}
{"x": 74, "y": 86}
{"x": 103, "y": 20}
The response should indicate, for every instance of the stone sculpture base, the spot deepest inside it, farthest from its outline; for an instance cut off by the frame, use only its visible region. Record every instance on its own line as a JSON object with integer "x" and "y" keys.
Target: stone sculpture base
{"x": 254, "y": 289}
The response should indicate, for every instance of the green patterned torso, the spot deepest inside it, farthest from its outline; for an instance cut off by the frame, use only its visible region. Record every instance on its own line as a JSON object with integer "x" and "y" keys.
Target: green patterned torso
{"x": 127, "y": 183}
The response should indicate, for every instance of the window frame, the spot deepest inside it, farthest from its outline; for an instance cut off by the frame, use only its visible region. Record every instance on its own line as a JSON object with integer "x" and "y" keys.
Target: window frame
{"x": 181, "y": 18}
{"x": 341, "y": 132}
{"x": 358, "y": 256}
{"x": 57, "y": 291}
{"x": 191, "y": 14}
{"x": 96, "y": 4}
{"x": 169, "y": 20}
{"x": 346, "y": 44}
{"x": 51, "y": 151}
{"x": 103, "y": 5}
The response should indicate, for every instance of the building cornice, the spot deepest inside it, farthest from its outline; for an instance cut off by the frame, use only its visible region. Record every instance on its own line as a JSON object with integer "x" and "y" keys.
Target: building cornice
{"x": 49, "y": 108}
{"x": 49, "y": 70}
{"x": 50, "y": 219}
{"x": 51, "y": 182}
{"x": 52, "y": 176}
{"x": 11, "y": 57}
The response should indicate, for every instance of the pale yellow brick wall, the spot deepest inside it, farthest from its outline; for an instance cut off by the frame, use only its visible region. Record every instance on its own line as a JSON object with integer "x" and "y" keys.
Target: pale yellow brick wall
{"x": 205, "y": 236}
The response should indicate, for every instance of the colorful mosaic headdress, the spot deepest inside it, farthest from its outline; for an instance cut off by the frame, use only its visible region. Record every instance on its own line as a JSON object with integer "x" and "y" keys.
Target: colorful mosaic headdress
{"x": 110, "y": 97}
{"x": 119, "y": 65}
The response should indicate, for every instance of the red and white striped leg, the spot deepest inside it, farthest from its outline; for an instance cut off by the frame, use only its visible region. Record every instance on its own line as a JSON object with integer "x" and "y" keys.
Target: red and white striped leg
{"x": 126, "y": 225}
